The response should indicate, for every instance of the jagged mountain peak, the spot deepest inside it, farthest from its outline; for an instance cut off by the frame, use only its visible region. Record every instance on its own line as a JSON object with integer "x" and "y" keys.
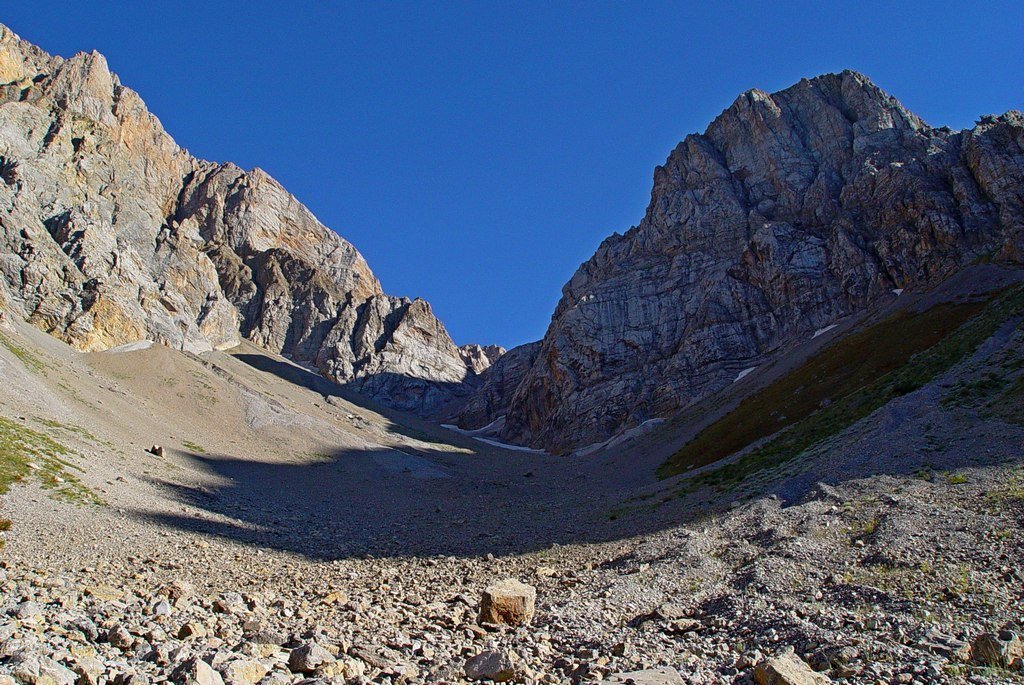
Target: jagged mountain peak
{"x": 111, "y": 233}
{"x": 792, "y": 210}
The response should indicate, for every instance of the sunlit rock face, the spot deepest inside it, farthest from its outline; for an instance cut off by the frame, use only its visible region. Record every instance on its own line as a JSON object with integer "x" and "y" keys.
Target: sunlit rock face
{"x": 110, "y": 233}
{"x": 793, "y": 209}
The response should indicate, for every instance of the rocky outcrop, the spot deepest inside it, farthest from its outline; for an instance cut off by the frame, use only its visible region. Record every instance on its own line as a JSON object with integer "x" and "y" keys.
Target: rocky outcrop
{"x": 792, "y": 210}
{"x": 480, "y": 357}
{"x": 499, "y": 383}
{"x": 110, "y": 233}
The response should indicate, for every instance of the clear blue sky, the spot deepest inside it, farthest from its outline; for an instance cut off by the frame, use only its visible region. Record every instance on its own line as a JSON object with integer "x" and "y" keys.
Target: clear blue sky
{"x": 477, "y": 152}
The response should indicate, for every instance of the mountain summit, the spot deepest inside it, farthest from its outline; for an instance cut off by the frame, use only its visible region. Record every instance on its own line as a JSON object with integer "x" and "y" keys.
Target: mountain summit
{"x": 791, "y": 211}
{"x": 110, "y": 233}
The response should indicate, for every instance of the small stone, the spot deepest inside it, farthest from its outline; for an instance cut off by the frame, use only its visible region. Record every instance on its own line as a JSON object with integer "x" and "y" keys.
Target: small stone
{"x": 243, "y": 672}
{"x": 192, "y": 629}
{"x": 491, "y": 664}
{"x": 308, "y": 658}
{"x": 336, "y": 597}
{"x": 119, "y": 637}
{"x": 508, "y": 601}
{"x": 195, "y": 671}
{"x": 89, "y": 669}
{"x": 787, "y": 669}
{"x": 650, "y": 676}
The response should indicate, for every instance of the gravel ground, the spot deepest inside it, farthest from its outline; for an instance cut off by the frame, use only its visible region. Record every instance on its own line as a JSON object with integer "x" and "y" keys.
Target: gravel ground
{"x": 287, "y": 535}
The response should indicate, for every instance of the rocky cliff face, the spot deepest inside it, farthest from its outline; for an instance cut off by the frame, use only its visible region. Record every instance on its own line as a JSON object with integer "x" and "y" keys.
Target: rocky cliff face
{"x": 499, "y": 383}
{"x": 110, "y": 233}
{"x": 792, "y": 210}
{"x": 479, "y": 358}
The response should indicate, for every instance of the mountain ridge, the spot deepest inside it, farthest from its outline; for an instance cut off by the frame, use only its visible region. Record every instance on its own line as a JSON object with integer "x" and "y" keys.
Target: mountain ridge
{"x": 791, "y": 210}
{"x": 113, "y": 233}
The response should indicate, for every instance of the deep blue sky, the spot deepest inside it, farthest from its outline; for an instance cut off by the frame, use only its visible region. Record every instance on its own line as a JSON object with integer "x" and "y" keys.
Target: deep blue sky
{"x": 476, "y": 153}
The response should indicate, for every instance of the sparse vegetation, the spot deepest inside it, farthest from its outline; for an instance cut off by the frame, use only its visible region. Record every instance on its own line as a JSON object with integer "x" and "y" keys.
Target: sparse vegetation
{"x": 29, "y": 360}
{"x": 189, "y": 445}
{"x": 25, "y": 452}
{"x": 860, "y": 374}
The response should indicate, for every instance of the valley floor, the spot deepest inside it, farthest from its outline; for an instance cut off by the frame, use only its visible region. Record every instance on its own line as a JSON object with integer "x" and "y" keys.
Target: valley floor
{"x": 282, "y": 511}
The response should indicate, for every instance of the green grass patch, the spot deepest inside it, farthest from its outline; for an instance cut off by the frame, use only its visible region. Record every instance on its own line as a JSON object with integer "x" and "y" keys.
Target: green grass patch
{"x": 189, "y": 445}
{"x": 29, "y": 360}
{"x": 857, "y": 375}
{"x": 25, "y": 453}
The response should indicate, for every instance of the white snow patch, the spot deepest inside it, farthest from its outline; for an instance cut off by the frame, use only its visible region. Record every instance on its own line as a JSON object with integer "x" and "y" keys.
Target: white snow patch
{"x": 132, "y": 346}
{"x": 744, "y": 373}
{"x": 822, "y": 331}
{"x": 618, "y": 439}
{"x": 897, "y": 291}
{"x": 493, "y": 426}
{"x": 505, "y": 446}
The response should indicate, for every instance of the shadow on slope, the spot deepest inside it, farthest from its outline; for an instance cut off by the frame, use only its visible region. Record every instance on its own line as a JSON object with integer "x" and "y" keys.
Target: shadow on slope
{"x": 385, "y": 502}
{"x": 409, "y": 392}
{"x": 426, "y": 502}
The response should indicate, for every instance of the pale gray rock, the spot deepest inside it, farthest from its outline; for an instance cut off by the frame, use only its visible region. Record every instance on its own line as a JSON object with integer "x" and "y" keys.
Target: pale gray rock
{"x": 791, "y": 211}
{"x": 35, "y": 669}
{"x": 195, "y": 671}
{"x": 499, "y": 382}
{"x": 110, "y": 234}
{"x": 480, "y": 357}
{"x": 650, "y": 676}
{"x": 787, "y": 669}
{"x": 308, "y": 658}
{"x": 495, "y": 665}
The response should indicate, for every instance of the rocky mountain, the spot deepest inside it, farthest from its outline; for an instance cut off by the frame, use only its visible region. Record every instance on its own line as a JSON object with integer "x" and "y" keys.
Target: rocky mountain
{"x": 790, "y": 211}
{"x": 480, "y": 357}
{"x": 491, "y": 401}
{"x": 110, "y": 233}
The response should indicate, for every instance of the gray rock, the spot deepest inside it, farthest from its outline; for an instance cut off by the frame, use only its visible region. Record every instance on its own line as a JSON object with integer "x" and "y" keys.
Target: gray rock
{"x": 243, "y": 672}
{"x": 787, "y": 669}
{"x": 308, "y": 658}
{"x": 119, "y": 637}
{"x": 650, "y": 676}
{"x": 479, "y": 358}
{"x": 195, "y": 671}
{"x": 27, "y": 610}
{"x": 1003, "y": 649}
{"x": 32, "y": 668}
{"x": 495, "y": 665}
{"x": 491, "y": 401}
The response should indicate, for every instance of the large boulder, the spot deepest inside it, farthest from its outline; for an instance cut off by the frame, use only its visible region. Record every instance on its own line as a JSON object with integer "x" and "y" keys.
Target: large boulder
{"x": 508, "y": 601}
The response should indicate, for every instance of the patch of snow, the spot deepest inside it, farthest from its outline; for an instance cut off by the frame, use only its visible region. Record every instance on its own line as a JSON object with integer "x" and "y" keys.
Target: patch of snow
{"x": 618, "y": 439}
{"x": 505, "y": 446}
{"x": 744, "y": 373}
{"x": 822, "y": 331}
{"x": 132, "y": 346}
{"x": 492, "y": 427}
{"x": 898, "y": 291}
